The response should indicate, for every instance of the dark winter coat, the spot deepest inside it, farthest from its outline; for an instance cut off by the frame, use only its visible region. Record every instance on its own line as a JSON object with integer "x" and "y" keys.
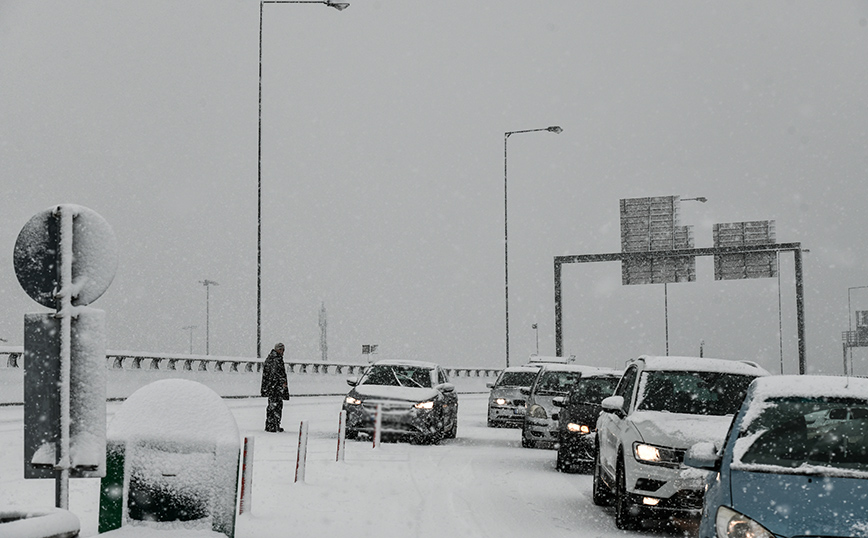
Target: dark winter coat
{"x": 274, "y": 382}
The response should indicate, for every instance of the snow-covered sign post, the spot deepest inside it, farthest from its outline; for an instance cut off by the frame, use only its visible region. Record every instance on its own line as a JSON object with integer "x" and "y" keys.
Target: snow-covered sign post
{"x": 65, "y": 258}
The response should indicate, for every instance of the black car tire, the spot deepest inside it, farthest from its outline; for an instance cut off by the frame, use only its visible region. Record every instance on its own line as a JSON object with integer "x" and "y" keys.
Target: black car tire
{"x": 351, "y": 434}
{"x": 453, "y": 431}
{"x": 562, "y": 463}
{"x": 526, "y": 441}
{"x": 601, "y": 495}
{"x": 624, "y": 520}
{"x": 493, "y": 423}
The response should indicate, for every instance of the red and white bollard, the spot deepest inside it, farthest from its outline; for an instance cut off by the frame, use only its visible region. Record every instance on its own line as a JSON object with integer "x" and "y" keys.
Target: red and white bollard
{"x": 302, "y": 452}
{"x": 378, "y": 425}
{"x": 342, "y": 435}
{"x": 246, "y": 476}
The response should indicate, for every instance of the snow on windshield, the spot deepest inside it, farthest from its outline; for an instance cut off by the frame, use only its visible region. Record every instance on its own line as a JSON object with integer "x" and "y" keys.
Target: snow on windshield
{"x": 396, "y": 375}
{"x": 817, "y": 426}
{"x": 692, "y": 392}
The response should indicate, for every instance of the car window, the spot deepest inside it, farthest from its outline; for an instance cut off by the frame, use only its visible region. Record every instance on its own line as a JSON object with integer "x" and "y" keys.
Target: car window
{"x": 442, "y": 377}
{"x": 557, "y": 382}
{"x": 625, "y": 386}
{"x": 397, "y": 375}
{"x": 692, "y": 393}
{"x": 516, "y": 379}
{"x": 788, "y": 433}
{"x": 593, "y": 389}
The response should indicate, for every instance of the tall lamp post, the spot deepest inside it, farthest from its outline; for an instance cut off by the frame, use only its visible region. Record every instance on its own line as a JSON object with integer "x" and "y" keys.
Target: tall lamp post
{"x": 340, "y": 6}
{"x": 553, "y": 129}
{"x": 190, "y": 328}
{"x": 850, "y": 328}
{"x": 701, "y": 199}
{"x": 207, "y": 283}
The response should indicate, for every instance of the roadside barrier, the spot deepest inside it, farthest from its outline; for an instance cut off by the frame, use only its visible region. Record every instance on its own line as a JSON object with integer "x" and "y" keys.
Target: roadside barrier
{"x": 342, "y": 435}
{"x": 301, "y": 460}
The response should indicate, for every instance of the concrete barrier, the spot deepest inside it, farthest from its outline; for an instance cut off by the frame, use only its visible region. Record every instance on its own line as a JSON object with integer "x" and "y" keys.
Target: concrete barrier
{"x": 230, "y": 377}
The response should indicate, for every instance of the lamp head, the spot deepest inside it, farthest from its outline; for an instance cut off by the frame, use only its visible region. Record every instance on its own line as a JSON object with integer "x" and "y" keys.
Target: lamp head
{"x": 340, "y": 6}
{"x": 554, "y": 129}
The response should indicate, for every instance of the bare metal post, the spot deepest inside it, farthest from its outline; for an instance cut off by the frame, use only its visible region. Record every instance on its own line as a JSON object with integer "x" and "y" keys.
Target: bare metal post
{"x": 800, "y": 308}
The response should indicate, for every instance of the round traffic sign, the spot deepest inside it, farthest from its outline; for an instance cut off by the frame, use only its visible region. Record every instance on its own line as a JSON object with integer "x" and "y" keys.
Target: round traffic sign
{"x": 94, "y": 255}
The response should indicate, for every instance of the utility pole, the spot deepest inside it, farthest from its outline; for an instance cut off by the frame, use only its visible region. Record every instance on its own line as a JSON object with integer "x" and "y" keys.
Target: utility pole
{"x": 190, "y": 328}
{"x": 323, "y": 333}
{"x": 208, "y": 283}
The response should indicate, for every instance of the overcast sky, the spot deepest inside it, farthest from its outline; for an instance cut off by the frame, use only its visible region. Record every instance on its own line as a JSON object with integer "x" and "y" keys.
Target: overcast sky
{"x": 383, "y": 169}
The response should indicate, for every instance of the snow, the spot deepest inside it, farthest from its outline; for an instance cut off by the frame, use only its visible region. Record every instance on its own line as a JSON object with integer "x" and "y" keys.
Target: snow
{"x": 702, "y": 364}
{"x": 481, "y": 484}
{"x": 680, "y": 429}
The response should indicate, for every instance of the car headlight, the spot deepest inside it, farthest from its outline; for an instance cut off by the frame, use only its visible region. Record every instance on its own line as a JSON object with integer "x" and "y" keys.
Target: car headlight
{"x": 500, "y": 401}
{"x": 655, "y": 454}
{"x": 731, "y": 524}
{"x": 425, "y": 405}
{"x": 353, "y": 401}
{"x": 537, "y": 411}
{"x": 578, "y": 428}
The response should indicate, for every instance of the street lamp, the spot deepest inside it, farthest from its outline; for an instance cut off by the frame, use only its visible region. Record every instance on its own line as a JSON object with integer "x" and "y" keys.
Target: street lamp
{"x": 553, "y": 129}
{"x": 340, "y": 6}
{"x": 207, "y": 283}
{"x": 190, "y": 328}
{"x": 701, "y": 199}
{"x": 535, "y": 328}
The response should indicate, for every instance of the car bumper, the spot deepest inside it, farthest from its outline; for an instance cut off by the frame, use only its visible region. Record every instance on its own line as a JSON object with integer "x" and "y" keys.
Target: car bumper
{"x": 396, "y": 419}
{"x": 506, "y": 414}
{"x": 541, "y": 430}
{"x": 579, "y": 445}
{"x": 671, "y": 489}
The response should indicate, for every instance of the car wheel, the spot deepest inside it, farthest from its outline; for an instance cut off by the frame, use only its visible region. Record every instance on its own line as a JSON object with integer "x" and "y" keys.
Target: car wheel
{"x": 624, "y": 520}
{"x": 602, "y": 496}
{"x": 492, "y": 423}
{"x": 453, "y": 431}
{"x": 351, "y": 434}
{"x": 526, "y": 441}
{"x": 564, "y": 462}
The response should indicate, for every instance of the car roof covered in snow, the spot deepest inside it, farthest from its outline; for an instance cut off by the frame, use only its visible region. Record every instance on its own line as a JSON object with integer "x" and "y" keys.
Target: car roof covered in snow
{"x": 702, "y": 364}
{"x": 809, "y": 386}
{"x": 400, "y": 362}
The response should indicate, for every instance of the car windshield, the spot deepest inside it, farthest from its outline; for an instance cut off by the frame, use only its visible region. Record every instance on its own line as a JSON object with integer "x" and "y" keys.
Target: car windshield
{"x": 516, "y": 379}
{"x": 557, "y": 382}
{"x": 397, "y": 375}
{"x": 593, "y": 389}
{"x": 795, "y": 431}
{"x": 692, "y": 393}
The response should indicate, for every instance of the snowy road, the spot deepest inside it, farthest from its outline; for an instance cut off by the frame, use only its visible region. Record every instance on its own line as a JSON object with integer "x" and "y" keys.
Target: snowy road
{"x": 481, "y": 484}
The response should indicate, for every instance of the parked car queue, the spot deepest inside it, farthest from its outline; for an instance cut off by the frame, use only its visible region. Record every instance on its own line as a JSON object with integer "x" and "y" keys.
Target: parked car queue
{"x": 748, "y": 454}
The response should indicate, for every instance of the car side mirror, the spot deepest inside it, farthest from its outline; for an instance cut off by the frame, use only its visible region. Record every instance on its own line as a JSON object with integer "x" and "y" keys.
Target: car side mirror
{"x": 559, "y": 401}
{"x": 445, "y": 387}
{"x": 703, "y": 455}
{"x": 352, "y": 382}
{"x": 525, "y": 391}
{"x": 613, "y": 404}
{"x": 489, "y": 385}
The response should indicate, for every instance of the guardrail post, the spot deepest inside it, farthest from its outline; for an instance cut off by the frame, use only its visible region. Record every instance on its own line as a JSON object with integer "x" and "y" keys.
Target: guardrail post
{"x": 246, "y": 502}
{"x": 342, "y": 435}
{"x": 302, "y": 452}
{"x": 378, "y": 425}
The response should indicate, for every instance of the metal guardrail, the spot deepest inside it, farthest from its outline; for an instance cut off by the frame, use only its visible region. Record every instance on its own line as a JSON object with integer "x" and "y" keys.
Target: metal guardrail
{"x": 14, "y": 358}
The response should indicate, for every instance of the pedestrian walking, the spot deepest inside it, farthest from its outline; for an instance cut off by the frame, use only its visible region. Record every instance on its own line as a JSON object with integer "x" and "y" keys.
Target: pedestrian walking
{"x": 274, "y": 387}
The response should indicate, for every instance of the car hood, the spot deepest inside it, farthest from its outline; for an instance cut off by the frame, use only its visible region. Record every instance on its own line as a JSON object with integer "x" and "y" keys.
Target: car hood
{"x": 815, "y": 505}
{"x": 676, "y": 430}
{"x": 388, "y": 392}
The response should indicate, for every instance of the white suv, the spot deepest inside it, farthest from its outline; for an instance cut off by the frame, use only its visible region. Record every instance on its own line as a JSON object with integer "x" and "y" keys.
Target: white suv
{"x": 660, "y": 408}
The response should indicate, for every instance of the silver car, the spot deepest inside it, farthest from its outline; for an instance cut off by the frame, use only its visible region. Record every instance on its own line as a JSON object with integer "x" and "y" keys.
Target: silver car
{"x": 540, "y": 427}
{"x": 506, "y": 403}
